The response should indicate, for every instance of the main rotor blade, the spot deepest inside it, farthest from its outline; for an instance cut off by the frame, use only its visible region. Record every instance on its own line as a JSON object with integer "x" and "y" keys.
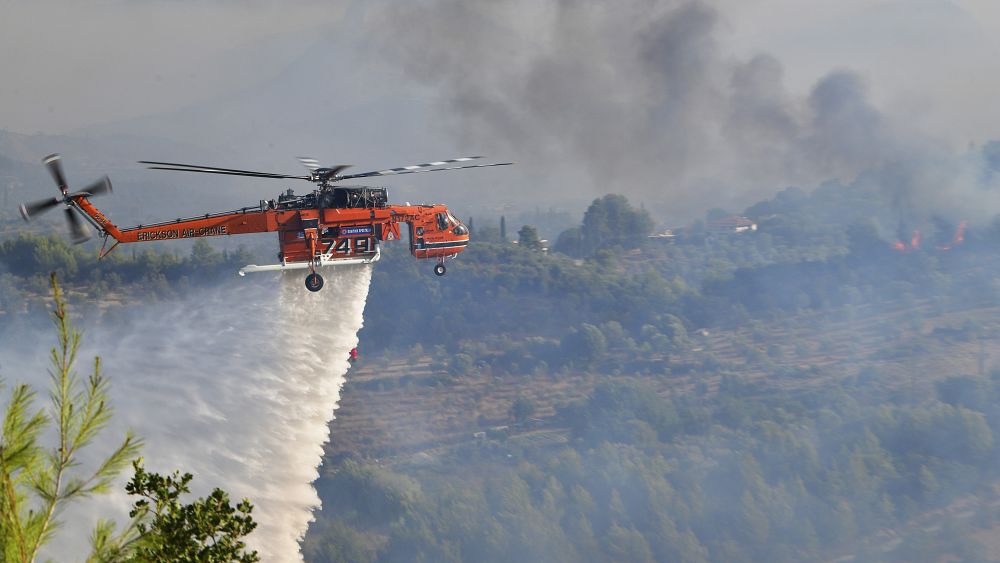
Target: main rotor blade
{"x": 335, "y": 169}
{"x": 310, "y": 163}
{"x": 30, "y": 210}
{"x": 215, "y": 170}
{"x": 249, "y": 174}
{"x": 321, "y": 172}
{"x": 397, "y": 171}
{"x": 54, "y": 164}
{"x": 102, "y": 186}
{"x": 402, "y": 169}
{"x": 76, "y": 230}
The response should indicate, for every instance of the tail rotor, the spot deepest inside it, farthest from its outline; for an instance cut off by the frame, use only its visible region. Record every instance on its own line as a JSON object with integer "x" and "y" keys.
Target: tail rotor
{"x": 78, "y": 233}
{"x": 54, "y": 163}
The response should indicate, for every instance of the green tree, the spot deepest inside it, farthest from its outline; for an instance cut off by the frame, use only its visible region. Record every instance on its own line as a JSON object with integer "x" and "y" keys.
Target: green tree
{"x": 378, "y": 494}
{"x": 203, "y": 255}
{"x": 521, "y": 409}
{"x": 528, "y": 238}
{"x": 36, "y": 483}
{"x": 337, "y": 543}
{"x": 570, "y": 242}
{"x": 612, "y": 221}
{"x": 209, "y": 529}
{"x": 586, "y": 346}
{"x": 674, "y": 329}
{"x": 461, "y": 364}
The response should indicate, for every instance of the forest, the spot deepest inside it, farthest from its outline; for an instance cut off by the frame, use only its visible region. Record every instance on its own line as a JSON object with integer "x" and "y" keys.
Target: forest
{"x": 745, "y": 474}
{"x": 671, "y": 449}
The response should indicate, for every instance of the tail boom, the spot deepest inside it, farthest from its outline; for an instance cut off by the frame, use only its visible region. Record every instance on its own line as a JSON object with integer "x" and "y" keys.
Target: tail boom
{"x": 231, "y": 223}
{"x": 97, "y": 218}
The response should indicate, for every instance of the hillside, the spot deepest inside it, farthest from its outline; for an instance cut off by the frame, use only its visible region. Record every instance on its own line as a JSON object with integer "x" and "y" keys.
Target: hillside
{"x": 837, "y": 391}
{"x": 816, "y": 389}
{"x": 396, "y": 407}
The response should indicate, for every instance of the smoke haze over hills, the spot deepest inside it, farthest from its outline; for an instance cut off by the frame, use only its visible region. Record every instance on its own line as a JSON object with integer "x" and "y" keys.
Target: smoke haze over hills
{"x": 684, "y": 105}
{"x": 645, "y": 100}
{"x": 681, "y": 105}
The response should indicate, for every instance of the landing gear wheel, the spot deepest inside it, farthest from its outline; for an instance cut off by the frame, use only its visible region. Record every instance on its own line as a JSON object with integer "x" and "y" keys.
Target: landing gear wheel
{"x": 439, "y": 270}
{"x": 314, "y": 282}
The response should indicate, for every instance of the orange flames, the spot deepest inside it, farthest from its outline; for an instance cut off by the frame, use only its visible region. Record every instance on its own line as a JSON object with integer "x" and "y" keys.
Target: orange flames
{"x": 901, "y": 246}
{"x": 956, "y": 240}
{"x": 914, "y": 244}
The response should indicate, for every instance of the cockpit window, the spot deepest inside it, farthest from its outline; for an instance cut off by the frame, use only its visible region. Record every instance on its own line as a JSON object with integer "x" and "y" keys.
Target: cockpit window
{"x": 442, "y": 219}
{"x": 459, "y": 228}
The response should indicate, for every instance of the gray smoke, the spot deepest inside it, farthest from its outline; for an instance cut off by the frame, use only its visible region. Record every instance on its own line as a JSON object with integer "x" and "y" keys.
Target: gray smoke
{"x": 667, "y": 101}
{"x": 639, "y": 98}
{"x": 236, "y": 385}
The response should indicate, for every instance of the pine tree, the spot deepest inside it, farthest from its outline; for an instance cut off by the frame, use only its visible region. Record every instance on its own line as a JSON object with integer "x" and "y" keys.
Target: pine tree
{"x": 37, "y": 482}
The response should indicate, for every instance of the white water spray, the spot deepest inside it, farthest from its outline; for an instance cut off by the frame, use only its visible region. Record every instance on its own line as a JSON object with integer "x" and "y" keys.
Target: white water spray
{"x": 236, "y": 385}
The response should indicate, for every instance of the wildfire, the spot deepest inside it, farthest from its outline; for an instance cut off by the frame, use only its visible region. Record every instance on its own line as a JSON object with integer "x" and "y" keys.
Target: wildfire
{"x": 956, "y": 240}
{"x": 915, "y": 240}
{"x": 914, "y": 244}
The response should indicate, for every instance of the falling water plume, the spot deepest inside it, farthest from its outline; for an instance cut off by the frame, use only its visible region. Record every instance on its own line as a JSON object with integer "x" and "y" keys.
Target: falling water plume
{"x": 236, "y": 385}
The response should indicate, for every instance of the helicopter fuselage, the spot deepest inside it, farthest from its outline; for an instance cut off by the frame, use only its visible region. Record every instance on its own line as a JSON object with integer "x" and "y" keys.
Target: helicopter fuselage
{"x": 332, "y": 225}
{"x": 310, "y": 233}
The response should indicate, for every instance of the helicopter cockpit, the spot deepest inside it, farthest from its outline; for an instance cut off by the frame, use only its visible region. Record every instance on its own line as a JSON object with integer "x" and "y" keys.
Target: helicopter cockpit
{"x": 446, "y": 220}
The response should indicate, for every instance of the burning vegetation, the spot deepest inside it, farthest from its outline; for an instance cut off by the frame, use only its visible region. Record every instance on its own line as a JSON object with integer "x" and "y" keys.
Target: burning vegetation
{"x": 916, "y": 239}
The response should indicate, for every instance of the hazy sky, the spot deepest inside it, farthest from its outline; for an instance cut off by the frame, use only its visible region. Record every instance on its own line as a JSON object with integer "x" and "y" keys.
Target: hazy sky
{"x": 932, "y": 60}
{"x": 686, "y": 103}
{"x": 70, "y": 64}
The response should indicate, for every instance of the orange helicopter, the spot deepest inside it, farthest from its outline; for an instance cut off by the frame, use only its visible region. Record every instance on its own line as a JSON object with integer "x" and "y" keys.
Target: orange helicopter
{"x": 333, "y": 225}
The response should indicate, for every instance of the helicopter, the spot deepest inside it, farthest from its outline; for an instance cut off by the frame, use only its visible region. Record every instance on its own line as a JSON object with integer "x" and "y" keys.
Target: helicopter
{"x": 331, "y": 226}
